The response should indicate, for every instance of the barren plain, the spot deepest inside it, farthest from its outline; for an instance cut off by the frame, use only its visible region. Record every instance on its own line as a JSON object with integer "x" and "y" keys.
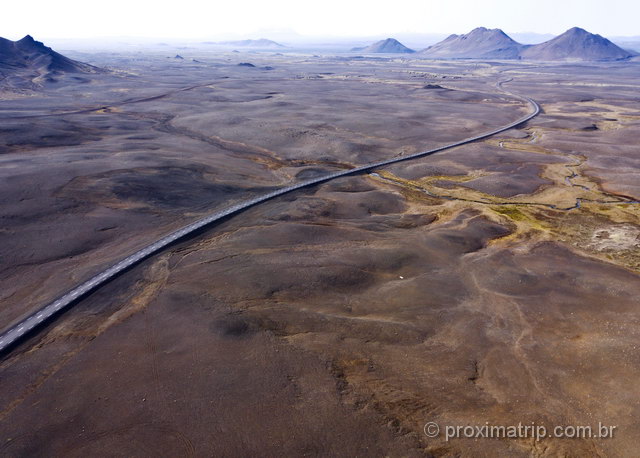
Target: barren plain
{"x": 495, "y": 282}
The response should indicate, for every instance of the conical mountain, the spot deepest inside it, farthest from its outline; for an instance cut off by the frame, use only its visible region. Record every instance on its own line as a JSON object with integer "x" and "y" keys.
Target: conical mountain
{"x": 388, "y": 46}
{"x": 576, "y": 44}
{"x": 480, "y": 43}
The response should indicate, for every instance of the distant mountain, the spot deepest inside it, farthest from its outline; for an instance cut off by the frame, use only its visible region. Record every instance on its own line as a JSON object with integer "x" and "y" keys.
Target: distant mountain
{"x": 480, "y": 43}
{"x": 261, "y": 43}
{"x": 630, "y": 45}
{"x": 28, "y": 54}
{"x": 389, "y": 46}
{"x": 576, "y": 44}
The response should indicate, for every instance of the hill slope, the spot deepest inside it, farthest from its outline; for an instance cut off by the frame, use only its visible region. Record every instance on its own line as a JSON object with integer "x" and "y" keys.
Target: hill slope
{"x": 29, "y": 54}
{"x": 576, "y": 44}
{"x": 480, "y": 43}
{"x": 389, "y": 46}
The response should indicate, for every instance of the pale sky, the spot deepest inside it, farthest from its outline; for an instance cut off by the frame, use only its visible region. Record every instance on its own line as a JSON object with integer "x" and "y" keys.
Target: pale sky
{"x": 196, "y": 19}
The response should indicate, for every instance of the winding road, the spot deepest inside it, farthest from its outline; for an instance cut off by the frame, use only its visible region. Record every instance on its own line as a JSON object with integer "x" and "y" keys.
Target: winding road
{"x": 15, "y": 334}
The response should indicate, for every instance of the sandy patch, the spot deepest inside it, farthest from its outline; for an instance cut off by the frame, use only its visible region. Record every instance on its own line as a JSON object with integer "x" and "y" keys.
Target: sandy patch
{"x": 616, "y": 238}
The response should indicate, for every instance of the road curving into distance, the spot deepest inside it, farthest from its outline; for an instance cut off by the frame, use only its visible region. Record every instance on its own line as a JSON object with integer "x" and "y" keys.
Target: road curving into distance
{"x": 13, "y": 335}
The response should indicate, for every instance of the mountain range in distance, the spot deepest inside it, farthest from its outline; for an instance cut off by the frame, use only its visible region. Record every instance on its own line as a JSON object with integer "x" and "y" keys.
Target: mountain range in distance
{"x": 575, "y": 44}
{"x": 261, "y": 43}
{"x": 35, "y": 62}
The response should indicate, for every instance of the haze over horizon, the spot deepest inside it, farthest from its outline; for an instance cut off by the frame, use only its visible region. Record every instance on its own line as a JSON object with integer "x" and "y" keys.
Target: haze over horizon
{"x": 196, "y": 19}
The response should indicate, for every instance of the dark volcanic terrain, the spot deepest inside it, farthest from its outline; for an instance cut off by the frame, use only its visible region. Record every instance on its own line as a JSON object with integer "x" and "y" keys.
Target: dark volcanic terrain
{"x": 494, "y": 282}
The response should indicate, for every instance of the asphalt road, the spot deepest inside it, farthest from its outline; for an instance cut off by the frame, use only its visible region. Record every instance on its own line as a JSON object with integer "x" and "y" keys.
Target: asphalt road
{"x": 16, "y": 333}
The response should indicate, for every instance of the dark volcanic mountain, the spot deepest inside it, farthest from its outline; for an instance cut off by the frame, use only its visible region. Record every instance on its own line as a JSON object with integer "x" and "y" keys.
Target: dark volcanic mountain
{"x": 28, "y": 54}
{"x": 576, "y": 44}
{"x": 390, "y": 46}
{"x": 480, "y": 43}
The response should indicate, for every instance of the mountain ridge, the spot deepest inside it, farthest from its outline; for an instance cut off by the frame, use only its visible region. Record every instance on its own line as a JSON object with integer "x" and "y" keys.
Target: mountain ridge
{"x": 30, "y": 56}
{"x": 575, "y": 44}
